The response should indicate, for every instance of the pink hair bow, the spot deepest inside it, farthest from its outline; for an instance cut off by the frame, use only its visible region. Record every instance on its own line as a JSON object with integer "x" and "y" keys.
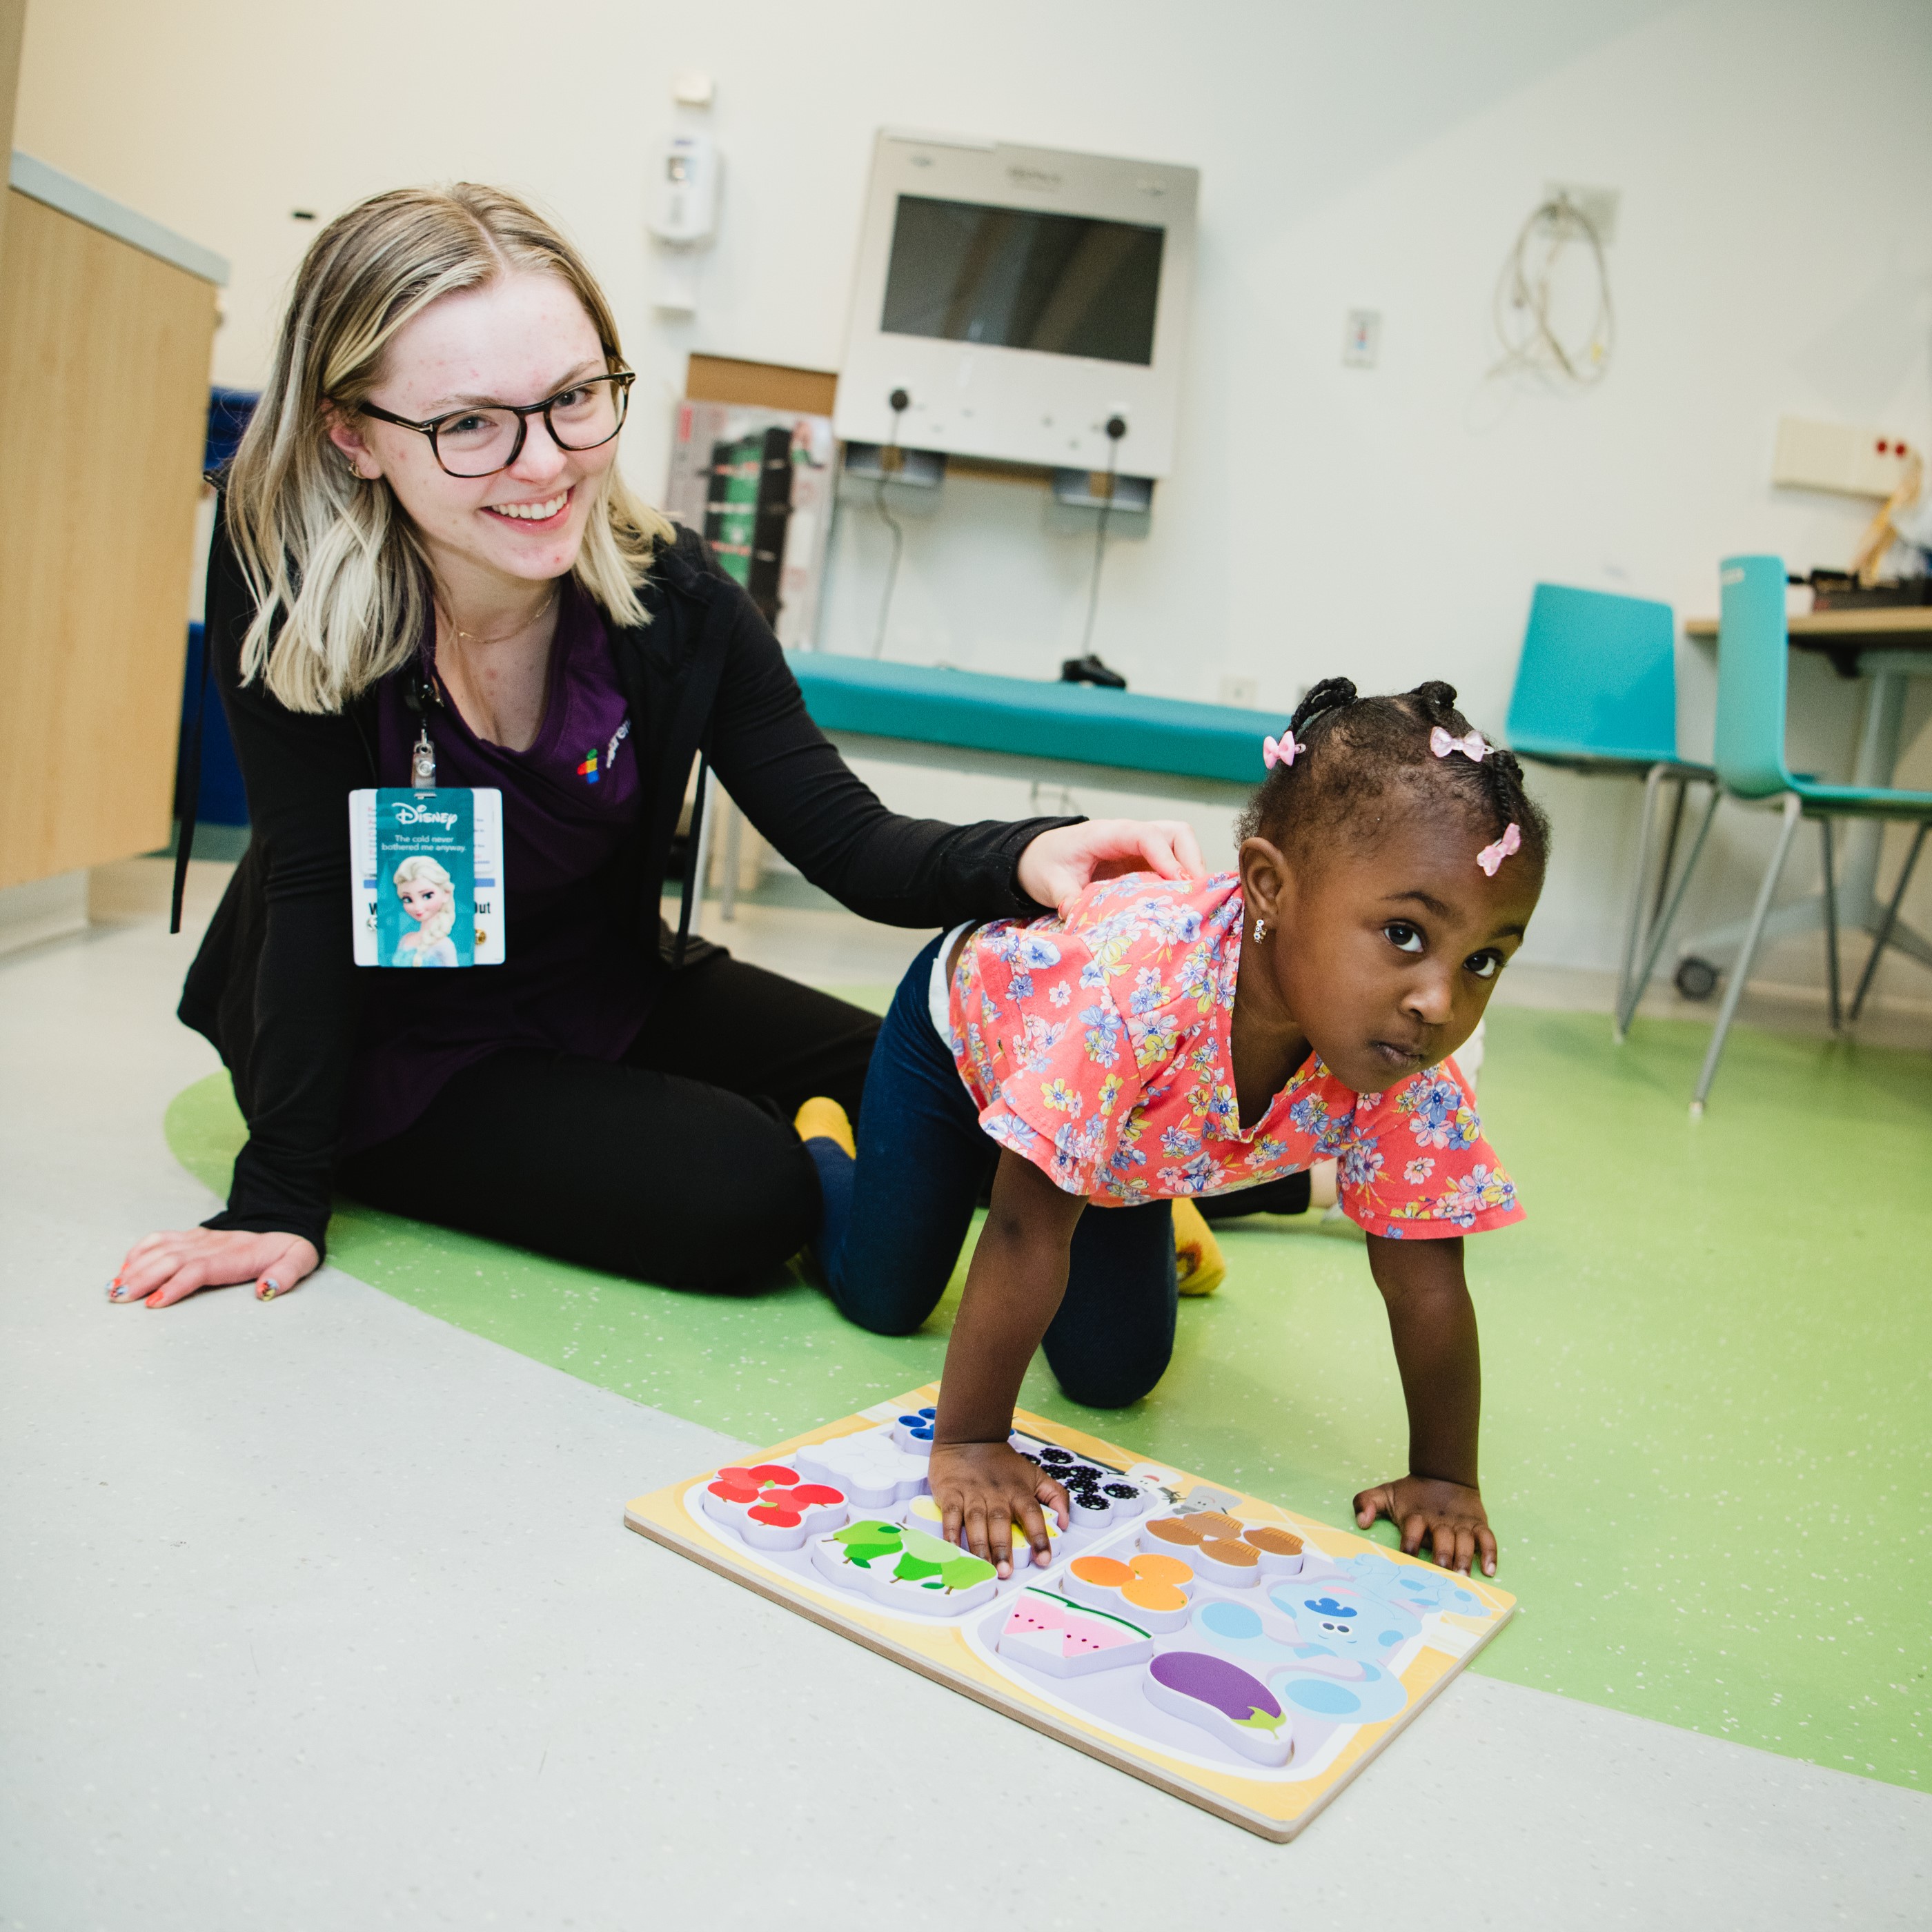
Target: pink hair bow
{"x": 1471, "y": 747}
{"x": 1491, "y": 857}
{"x": 1281, "y": 751}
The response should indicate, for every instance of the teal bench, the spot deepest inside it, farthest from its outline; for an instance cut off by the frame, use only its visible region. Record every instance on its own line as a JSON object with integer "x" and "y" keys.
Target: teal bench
{"x": 1025, "y": 727}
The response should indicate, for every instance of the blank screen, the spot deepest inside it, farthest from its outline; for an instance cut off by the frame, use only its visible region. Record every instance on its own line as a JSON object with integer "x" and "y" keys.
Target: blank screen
{"x": 1068, "y": 283}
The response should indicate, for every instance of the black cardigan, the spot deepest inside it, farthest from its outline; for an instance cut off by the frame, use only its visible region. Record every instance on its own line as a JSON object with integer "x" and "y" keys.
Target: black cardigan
{"x": 275, "y": 986}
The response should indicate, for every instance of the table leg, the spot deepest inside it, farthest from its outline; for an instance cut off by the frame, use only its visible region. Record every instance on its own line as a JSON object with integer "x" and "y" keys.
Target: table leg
{"x": 1889, "y": 925}
{"x": 734, "y": 841}
{"x": 1876, "y": 760}
{"x": 701, "y": 858}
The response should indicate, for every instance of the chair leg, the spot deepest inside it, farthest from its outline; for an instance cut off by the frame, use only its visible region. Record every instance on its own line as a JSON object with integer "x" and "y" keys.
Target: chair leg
{"x": 1634, "y": 927}
{"x": 1794, "y": 809}
{"x": 1883, "y": 937}
{"x": 1830, "y": 925}
{"x": 1659, "y": 929}
{"x": 1670, "y": 844}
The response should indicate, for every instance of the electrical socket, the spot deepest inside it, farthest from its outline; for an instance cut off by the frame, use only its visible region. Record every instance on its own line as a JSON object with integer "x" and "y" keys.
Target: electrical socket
{"x": 1835, "y": 456}
{"x": 1597, "y": 205}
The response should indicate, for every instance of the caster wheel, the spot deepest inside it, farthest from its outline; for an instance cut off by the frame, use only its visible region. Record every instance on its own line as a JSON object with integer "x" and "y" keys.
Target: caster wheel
{"x": 1697, "y": 979}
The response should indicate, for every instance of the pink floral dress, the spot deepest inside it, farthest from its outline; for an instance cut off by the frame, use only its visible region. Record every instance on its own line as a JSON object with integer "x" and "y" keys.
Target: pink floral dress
{"x": 1095, "y": 1043}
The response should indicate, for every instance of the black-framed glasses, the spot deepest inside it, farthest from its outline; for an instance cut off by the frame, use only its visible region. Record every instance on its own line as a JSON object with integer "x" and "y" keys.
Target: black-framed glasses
{"x": 484, "y": 438}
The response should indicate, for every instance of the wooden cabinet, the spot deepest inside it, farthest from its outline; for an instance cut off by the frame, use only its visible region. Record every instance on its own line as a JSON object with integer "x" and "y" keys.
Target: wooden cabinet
{"x": 104, "y": 351}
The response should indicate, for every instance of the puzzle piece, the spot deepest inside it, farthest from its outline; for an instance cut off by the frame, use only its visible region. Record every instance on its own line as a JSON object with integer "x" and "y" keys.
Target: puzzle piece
{"x": 1283, "y": 1552}
{"x": 1212, "y": 1543}
{"x": 913, "y": 1432}
{"x": 872, "y": 1470}
{"x": 1224, "y": 1700}
{"x": 1052, "y": 1635}
{"x": 1308, "y": 1677}
{"x": 770, "y": 1508}
{"x": 904, "y": 1569}
{"x": 922, "y": 1513}
{"x": 1151, "y": 1587}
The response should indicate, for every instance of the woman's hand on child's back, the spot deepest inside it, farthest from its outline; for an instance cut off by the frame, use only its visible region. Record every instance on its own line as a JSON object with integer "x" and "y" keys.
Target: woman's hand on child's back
{"x": 169, "y": 1268}
{"x": 1058, "y": 864}
{"x": 982, "y": 1489}
{"x": 1448, "y": 1516}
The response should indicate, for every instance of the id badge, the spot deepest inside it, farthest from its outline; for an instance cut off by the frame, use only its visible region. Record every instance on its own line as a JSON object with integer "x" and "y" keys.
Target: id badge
{"x": 426, "y": 877}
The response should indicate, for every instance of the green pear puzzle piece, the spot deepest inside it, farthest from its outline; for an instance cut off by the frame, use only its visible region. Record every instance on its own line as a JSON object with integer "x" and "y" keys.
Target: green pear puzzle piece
{"x": 865, "y": 1541}
{"x": 964, "y": 1571}
{"x": 928, "y": 1549}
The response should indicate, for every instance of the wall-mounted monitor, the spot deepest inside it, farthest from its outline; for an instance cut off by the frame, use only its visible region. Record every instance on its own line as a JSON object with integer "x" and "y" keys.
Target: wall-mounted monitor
{"x": 1019, "y": 297}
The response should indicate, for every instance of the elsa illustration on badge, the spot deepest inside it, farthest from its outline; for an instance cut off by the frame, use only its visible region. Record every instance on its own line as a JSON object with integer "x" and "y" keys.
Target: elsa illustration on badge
{"x": 429, "y": 897}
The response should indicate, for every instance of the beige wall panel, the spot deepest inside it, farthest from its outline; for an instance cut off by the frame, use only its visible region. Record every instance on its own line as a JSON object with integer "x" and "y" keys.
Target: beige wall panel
{"x": 103, "y": 396}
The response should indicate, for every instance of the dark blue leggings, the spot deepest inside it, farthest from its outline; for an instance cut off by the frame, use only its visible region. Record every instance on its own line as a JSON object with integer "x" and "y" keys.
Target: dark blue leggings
{"x": 895, "y": 1218}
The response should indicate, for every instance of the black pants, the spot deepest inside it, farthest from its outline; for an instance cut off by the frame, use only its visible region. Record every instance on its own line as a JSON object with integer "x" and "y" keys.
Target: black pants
{"x": 895, "y": 1219}
{"x": 678, "y": 1164}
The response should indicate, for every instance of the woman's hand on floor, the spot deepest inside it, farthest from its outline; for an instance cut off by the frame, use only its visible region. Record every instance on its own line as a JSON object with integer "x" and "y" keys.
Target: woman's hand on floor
{"x": 1061, "y": 862}
{"x": 169, "y": 1268}
{"x": 984, "y": 1489}
{"x": 1448, "y": 1516}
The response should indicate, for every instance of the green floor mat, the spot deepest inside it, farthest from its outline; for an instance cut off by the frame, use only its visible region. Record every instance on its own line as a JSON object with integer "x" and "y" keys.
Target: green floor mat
{"x": 1708, "y": 1421}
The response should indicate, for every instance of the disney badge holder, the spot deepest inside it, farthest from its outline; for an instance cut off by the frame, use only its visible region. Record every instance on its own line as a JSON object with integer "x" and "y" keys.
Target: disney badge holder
{"x": 426, "y": 872}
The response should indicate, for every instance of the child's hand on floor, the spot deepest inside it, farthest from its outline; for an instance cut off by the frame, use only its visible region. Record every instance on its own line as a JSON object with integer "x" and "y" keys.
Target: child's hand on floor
{"x": 1448, "y": 1516}
{"x": 984, "y": 1489}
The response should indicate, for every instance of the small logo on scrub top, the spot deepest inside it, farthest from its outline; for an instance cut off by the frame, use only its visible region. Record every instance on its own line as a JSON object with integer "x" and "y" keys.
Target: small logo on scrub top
{"x": 587, "y": 770}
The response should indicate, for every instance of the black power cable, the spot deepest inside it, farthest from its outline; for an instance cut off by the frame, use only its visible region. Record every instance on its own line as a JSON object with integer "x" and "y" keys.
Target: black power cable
{"x": 888, "y": 464}
{"x": 1117, "y": 427}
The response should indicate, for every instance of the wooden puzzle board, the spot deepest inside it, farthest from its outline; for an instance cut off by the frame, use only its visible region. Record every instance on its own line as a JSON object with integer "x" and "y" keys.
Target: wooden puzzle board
{"x": 1336, "y": 1649}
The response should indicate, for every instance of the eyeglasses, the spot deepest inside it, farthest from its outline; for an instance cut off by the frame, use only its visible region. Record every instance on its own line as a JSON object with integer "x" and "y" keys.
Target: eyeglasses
{"x": 480, "y": 441}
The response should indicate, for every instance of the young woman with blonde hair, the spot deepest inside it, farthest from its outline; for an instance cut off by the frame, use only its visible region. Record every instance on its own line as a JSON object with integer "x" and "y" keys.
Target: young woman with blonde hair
{"x": 424, "y": 543}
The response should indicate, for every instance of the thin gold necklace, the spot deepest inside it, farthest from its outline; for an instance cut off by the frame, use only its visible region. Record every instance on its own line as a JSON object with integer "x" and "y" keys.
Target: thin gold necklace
{"x": 471, "y": 637}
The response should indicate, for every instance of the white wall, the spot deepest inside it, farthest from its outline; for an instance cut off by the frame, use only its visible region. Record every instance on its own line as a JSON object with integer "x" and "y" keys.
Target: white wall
{"x": 1773, "y": 254}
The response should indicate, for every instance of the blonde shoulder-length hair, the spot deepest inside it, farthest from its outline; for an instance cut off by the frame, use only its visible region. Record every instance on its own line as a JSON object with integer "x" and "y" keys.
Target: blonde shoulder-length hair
{"x": 341, "y": 585}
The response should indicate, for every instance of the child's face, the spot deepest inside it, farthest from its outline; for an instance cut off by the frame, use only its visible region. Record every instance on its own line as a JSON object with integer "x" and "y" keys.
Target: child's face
{"x": 1386, "y": 958}
{"x": 421, "y": 899}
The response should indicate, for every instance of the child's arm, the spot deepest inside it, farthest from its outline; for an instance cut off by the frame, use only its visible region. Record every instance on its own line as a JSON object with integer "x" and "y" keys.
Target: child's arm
{"x": 1434, "y": 1327}
{"x": 1013, "y": 1288}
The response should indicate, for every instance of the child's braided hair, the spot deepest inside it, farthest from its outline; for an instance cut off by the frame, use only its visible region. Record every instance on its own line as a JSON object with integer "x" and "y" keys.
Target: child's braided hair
{"x": 1353, "y": 752}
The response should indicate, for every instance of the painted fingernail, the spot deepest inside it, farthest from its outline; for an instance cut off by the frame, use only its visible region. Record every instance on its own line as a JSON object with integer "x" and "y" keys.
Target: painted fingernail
{"x": 114, "y": 1291}
{"x": 269, "y": 1289}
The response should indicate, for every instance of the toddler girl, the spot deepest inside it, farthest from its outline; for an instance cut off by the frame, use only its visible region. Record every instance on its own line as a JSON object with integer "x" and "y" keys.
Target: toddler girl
{"x": 1158, "y": 1039}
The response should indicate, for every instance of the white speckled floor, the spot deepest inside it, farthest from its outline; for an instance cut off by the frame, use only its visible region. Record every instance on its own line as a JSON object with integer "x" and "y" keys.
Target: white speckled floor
{"x": 321, "y": 1614}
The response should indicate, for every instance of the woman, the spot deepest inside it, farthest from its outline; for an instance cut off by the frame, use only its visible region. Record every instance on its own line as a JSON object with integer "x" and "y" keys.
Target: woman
{"x": 426, "y": 558}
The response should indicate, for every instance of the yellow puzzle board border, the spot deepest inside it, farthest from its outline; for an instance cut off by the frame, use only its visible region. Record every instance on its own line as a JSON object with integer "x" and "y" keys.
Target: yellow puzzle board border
{"x": 1270, "y": 1808}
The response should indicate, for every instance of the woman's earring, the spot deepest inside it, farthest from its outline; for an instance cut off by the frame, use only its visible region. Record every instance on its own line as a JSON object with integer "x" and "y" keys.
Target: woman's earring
{"x": 1261, "y": 929}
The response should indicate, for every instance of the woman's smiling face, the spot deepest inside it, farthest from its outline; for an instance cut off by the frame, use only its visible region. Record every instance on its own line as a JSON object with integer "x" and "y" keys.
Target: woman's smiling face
{"x": 519, "y": 339}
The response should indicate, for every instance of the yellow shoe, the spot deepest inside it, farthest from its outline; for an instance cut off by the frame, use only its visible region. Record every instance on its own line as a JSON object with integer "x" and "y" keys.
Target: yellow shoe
{"x": 822, "y": 1119}
{"x": 1197, "y": 1260}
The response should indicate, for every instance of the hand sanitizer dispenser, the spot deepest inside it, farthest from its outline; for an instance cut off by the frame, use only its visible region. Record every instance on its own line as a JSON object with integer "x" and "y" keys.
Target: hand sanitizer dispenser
{"x": 684, "y": 210}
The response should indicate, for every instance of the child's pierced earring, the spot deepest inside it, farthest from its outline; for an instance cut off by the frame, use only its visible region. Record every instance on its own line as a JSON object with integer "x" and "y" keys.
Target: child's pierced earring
{"x": 1261, "y": 929}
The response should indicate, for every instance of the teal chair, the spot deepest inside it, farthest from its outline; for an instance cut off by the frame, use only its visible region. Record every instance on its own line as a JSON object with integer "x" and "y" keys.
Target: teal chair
{"x": 1753, "y": 668}
{"x": 1596, "y": 691}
